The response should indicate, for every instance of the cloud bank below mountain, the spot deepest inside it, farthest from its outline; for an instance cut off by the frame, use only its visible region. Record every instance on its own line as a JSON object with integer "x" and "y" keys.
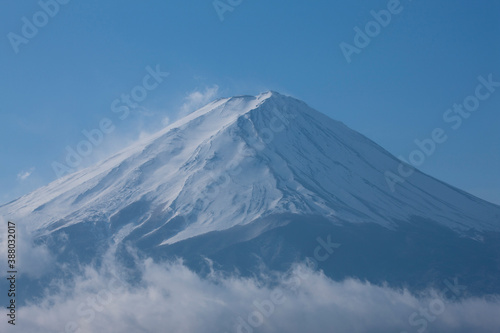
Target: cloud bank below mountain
{"x": 171, "y": 298}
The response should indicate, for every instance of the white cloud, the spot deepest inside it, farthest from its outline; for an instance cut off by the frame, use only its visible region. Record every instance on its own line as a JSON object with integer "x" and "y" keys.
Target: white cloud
{"x": 23, "y": 175}
{"x": 32, "y": 259}
{"x": 165, "y": 121}
{"x": 171, "y": 298}
{"x": 197, "y": 99}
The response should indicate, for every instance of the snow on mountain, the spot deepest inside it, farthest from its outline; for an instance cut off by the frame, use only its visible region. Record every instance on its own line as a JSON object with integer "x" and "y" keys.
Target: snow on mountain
{"x": 243, "y": 158}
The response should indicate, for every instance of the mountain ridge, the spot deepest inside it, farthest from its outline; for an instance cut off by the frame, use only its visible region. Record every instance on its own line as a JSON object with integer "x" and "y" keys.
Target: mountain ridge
{"x": 278, "y": 138}
{"x": 253, "y": 181}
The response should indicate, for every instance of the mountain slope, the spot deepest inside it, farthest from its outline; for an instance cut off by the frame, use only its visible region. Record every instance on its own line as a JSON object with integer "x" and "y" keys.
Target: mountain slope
{"x": 269, "y": 154}
{"x": 254, "y": 165}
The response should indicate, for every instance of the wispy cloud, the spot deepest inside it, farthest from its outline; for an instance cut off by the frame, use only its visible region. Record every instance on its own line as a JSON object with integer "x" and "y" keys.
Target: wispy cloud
{"x": 197, "y": 99}
{"x": 172, "y": 298}
{"x": 36, "y": 258}
{"x": 23, "y": 175}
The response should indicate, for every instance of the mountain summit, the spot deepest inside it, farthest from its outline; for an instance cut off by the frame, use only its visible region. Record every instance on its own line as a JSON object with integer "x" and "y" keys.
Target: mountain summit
{"x": 261, "y": 174}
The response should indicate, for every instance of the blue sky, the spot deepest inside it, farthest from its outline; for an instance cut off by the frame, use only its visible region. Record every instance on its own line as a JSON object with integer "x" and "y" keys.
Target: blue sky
{"x": 63, "y": 78}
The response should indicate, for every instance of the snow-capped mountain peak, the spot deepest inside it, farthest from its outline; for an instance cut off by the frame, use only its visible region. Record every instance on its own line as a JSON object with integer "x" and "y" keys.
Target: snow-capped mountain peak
{"x": 240, "y": 159}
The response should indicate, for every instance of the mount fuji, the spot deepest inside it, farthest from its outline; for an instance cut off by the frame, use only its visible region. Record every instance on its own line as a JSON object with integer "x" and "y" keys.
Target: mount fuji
{"x": 252, "y": 182}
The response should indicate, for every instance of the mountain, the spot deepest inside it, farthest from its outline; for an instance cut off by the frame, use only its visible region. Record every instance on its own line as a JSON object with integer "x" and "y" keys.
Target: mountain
{"x": 254, "y": 181}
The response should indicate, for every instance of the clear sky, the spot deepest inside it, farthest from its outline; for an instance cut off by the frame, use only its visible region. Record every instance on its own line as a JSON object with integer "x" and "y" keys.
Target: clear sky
{"x": 61, "y": 72}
